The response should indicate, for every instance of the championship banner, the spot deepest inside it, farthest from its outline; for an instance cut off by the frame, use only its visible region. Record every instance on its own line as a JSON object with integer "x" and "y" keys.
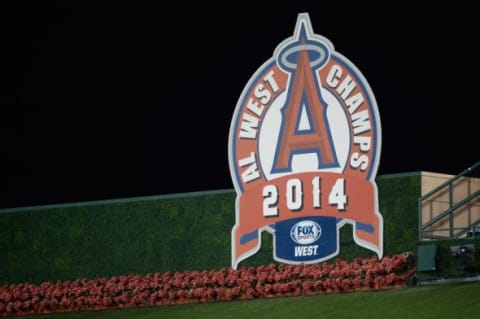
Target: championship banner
{"x": 304, "y": 147}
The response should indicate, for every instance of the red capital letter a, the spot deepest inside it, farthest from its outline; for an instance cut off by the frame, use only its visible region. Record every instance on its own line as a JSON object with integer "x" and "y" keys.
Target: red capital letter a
{"x": 304, "y": 96}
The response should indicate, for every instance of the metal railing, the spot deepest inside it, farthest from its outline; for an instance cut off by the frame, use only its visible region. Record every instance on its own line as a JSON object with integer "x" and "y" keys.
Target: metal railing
{"x": 435, "y": 200}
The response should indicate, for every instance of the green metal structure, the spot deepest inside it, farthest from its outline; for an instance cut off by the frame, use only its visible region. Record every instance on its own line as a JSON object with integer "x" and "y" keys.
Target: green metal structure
{"x": 432, "y": 228}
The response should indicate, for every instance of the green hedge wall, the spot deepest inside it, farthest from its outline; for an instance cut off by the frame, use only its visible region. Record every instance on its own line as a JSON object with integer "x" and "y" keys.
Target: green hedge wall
{"x": 398, "y": 200}
{"x": 164, "y": 233}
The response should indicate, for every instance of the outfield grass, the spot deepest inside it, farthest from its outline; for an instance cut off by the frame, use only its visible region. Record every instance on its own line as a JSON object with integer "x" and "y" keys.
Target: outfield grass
{"x": 456, "y": 301}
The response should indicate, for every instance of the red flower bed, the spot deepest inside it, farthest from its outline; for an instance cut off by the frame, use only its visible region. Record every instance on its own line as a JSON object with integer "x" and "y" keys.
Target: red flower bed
{"x": 155, "y": 289}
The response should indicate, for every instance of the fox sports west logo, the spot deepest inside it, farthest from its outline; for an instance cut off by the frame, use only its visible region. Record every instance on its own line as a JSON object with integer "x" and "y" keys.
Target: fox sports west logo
{"x": 304, "y": 147}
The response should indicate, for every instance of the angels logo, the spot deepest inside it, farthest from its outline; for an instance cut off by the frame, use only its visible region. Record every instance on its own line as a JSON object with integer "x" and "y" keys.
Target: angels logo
{"x": 304, "y": 147}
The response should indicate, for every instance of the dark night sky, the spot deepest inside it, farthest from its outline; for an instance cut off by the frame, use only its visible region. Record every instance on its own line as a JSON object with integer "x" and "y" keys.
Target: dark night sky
{"x": 123, "y": 100}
